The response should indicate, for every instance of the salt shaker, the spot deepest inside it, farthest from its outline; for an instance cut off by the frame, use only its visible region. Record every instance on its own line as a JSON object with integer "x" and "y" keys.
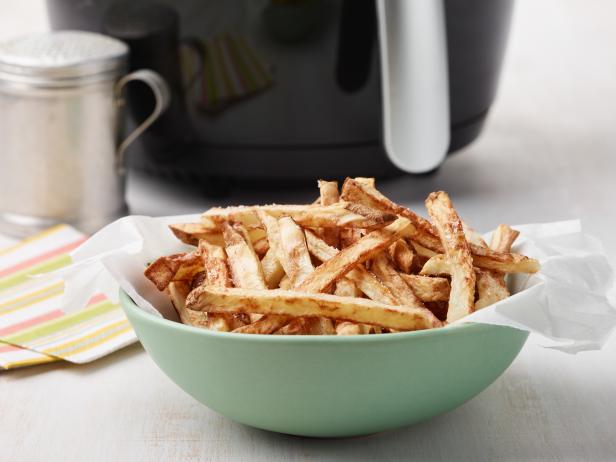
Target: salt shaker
{"x": 61, "y": 120}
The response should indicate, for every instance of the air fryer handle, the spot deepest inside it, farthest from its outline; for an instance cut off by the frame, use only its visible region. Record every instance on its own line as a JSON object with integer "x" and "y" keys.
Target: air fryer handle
{"x": 415, "y": 80}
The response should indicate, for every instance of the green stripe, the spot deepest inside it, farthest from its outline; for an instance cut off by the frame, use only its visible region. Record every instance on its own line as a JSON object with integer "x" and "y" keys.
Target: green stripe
{"x": 22, "y": 276}
{"x": 59, "y": 324}
{"x": 237, "y": 58}
{"x": 256, "y": 63}
{"x": 45, "y": 294}
{"x": 211, "y": 90}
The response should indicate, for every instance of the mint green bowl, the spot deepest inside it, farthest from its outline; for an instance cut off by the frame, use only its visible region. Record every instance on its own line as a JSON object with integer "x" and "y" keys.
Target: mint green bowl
{"x": 328, "y": 386}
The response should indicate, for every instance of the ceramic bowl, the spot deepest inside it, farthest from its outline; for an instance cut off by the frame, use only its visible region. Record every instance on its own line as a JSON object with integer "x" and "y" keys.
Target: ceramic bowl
{"x": 328, "y": 386}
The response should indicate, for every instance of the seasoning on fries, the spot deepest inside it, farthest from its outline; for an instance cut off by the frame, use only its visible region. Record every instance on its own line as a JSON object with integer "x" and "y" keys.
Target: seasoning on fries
{"x": 351, "y": 263}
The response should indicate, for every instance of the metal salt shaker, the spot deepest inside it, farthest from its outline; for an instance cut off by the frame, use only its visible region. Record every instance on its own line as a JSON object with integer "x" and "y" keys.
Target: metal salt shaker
{"x": 61, "y": 117}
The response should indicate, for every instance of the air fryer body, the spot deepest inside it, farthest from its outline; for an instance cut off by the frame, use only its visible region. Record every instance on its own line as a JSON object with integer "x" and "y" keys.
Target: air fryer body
{"x": 309, "y": 98}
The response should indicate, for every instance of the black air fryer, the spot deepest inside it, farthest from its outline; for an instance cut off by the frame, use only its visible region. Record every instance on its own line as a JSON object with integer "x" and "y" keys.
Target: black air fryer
{"x": 291, "y": 89}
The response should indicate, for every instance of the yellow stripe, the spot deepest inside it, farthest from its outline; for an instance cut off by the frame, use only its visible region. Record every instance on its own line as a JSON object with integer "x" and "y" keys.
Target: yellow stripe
{"x": 58, "y": 348}
{"x": 9, "y": 307}
{"x": 93, "y": 345}
{"x": 30, "y": 362}
{"x": 29, "y": 240}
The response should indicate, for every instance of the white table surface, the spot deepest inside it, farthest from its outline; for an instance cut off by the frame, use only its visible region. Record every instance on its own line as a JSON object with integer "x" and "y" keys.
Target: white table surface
{"x": 548, "y": 153}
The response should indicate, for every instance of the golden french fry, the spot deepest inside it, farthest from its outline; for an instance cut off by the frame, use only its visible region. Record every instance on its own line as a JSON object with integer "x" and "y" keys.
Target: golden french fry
{"x": 491, "y": 286}
{"x": 503, "y": 238}
{"x": 246, "y": 270}
{"x": 344, "y": 261}
{"x": 217, "y": 274}
{"x": 296, "y": 304}
{"x": 261, "y": 247}
{"x": 264, "y": 324}
{"x": 472, "y": 236}
{"x": 427, "y": 236}
{"x": 367, "y": 282}
{"x": 384, "y": 270}
{"x": 402, "y": 255}
{"x": 215, "y": 264}
{"x": 423, "y": 251}
{"x": 354, "y": 191}
{"x": 435, "y": 266}
{"x": 295, "y": 257}
{"x": 178, "y": 291}
{"x": 329, "y": 195}
{"x": 428, "y": 289}
{"x": 347, "y": 288}
{"x": 311, "y": 216}
{"x": 351, "y": 328}
{"x": 369, "y": 182}
{"x": 245, "y": 266}
{"x": 272, "y": 269}
{"x": 459, "y": 258}
{"x": 164, "y": 269}
{"x": 349, "y": 236}
{"x": 285, "y": 283}
{"x": 192, "y": 233}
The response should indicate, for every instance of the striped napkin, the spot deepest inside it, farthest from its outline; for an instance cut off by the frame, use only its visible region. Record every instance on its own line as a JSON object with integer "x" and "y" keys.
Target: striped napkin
{"x": 33, "y": 330}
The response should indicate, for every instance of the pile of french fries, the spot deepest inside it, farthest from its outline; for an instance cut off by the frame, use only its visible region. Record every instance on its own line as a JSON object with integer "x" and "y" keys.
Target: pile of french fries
{"x": 353, "y": 262}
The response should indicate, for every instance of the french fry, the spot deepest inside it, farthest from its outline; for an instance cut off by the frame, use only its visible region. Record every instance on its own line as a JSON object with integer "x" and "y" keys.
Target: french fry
{"x": 491, "y": 286}
{"x": 503, "y": 238}
{"x": 215, "y": 264}
{"x": 384, "y": 270}
{"x": 369, "y": 182}
{"x": 300, "y": 304}
{"x": 365, "y": 280}
{"x": 349, "y": 236}
{"x": 428, "y": 289}
{"x": 285, "y": 283}
{"x": 261, "y": 247}
{"x": 427, "y": 236}
{"x": 459, "y": 258}
{"x": 436, "y": 266}
{"x": 164, "y": 269}
{"x": 472, "y": 236}
{"x": 354, "y": 191}
{"x": 329, "y": 195}
{"x": 402, "y": 255}
{"x": 347, "y": 288}
{"x": 344, "y": 261}
{"x": 272, "y": 269}
{"x": 217, "y": 274}
{"x": 341, "y": 215}
{"x": 295, "y": 257}
{"x": 245, "y": 266}
{"x": 192, "y": 233}
{"x": 178, "y": 291}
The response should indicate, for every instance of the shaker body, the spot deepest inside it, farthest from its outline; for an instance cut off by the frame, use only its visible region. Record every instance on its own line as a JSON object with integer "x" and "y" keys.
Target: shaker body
{"x": 58, "y": 151}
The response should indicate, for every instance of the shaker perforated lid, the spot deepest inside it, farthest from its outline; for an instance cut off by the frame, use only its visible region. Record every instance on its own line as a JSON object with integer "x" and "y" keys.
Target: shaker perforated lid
{"x": 62, "y": 55}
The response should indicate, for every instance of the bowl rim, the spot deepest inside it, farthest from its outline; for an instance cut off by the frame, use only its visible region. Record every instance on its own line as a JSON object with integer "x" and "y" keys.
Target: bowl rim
{"x": 473, "y": 328}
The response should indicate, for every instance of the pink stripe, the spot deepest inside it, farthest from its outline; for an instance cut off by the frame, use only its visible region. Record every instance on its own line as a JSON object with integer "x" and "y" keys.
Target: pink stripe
{"x": 45, "y": 317}
{"x": 96, "y": 299}
{"x": 31, "y": 322}
{"x": 40, "y": 258}
{"x": 9, "y": 348}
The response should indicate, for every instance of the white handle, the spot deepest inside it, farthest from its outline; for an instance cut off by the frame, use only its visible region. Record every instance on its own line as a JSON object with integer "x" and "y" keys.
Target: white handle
{"x": 162, "y": 99}
{"x": 415, "y": 82}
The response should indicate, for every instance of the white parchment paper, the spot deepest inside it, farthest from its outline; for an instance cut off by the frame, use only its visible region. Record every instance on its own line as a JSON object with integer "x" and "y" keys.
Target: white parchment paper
{"x": 566, "y": 303}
